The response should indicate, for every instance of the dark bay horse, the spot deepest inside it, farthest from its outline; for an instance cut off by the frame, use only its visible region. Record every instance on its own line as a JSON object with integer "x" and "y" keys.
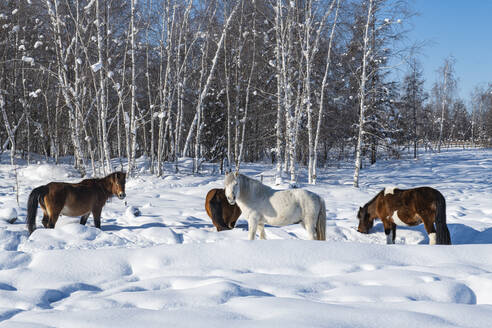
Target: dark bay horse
{"x": 223, "y": 215}
{"x": 74, "y": 199}
{"x": 407, "y": 207}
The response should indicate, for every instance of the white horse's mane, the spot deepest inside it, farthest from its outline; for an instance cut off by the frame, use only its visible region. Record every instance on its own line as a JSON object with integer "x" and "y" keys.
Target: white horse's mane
{"x": 249, "y": 185}
{"x": 252, "y": 181}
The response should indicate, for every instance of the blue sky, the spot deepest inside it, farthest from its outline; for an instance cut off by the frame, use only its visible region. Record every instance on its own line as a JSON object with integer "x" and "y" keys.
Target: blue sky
{"x": 461, "y": 28}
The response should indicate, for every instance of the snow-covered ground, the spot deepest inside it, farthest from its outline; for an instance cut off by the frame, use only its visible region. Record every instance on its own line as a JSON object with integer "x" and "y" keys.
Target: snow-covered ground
{"x": 168, "y": 267}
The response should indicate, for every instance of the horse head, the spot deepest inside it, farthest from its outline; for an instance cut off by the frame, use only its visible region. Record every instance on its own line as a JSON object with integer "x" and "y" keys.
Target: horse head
{"x": 231, "y": 187}
{"x": 365, "y": 221}
{"x": 118, "y": 180}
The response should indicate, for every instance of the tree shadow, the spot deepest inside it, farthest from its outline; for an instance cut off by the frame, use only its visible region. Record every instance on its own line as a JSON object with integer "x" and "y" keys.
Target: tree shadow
{"x": 114, "y": 227}
{"x": 461, "y": 234}
{"x": 9, "y": 314}
{"x": 190, "y": 222}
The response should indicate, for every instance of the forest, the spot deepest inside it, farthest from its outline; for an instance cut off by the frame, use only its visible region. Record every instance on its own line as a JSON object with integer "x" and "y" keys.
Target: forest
{"x": 299, "y": 83}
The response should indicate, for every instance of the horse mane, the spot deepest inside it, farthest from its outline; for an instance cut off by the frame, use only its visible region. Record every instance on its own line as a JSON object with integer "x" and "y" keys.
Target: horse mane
{"x": 373, "y": 199}
{"x": 102, "y": 183}
{"x": 252, "y": 184}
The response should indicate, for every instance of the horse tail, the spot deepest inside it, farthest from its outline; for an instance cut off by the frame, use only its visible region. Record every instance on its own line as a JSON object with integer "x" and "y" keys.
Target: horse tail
{"x": 321, "y": 223}
{"x": 32, "y": 206}
{"x": 443, "y": 237}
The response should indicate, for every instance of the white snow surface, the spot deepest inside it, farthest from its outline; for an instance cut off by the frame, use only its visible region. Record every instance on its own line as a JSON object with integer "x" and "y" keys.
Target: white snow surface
{"x": 168, "y": 267}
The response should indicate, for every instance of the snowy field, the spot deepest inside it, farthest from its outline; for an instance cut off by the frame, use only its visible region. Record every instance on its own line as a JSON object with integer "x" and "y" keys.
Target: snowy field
{"x": 170, "y": 268}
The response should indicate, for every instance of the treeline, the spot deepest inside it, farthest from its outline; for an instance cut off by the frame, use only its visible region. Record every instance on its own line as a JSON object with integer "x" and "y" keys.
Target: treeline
{"x": 298, "y": 82}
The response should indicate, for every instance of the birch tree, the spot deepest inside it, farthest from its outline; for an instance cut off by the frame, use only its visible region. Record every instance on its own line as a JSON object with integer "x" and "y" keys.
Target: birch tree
{"x": 204, "y": 91}
{"x": 227, "y": 162}
{"x": 445, "y": 88}
{"x": 310, "y": 49}
{"x": 322, "y": 94}
{"x": 244, "y": 120}
{"x": 8, "y": 128}
{"x": 280, "y": 66}
{"x": 362, "y": 92}
{"x": 164, "y": 76}
{"x": 376, "y": 106}
{"x": 70, "y": 92}
{"x": 132, "y": 121}
{"x": 181, "y": 82}
{"x": 412, "y": 101}
{"x": 103, "y": 106}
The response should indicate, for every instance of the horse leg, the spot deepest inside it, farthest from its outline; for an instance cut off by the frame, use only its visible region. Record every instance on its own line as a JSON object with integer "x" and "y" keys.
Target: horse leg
{"x": 51, "y": 214}
{"x": 45, "y": 221}
{"x": 96, "y": 213}
{"x": 389, "y": 231}
{"x": 311, "y": 230}
{"x": 46, "y": 217}
{"x": 261, "y": 229}
{"x": 83, "y": 219}
{"x": 430, "y": 228}
{"x": 52, "y": 220}
{"x": 252, "y": 226}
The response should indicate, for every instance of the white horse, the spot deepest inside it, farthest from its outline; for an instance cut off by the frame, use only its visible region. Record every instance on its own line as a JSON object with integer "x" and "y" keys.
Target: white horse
{"x": 262, "y": 205}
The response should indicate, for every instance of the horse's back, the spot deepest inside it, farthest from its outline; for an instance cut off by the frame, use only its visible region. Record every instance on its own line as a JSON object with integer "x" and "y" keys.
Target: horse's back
{"x": 412, "y": 204}
{"x": 310, "y": 200}
{"x": 291, "y": 206}
{"x": 74, "y": 199}
{"x": 421, "y": 196}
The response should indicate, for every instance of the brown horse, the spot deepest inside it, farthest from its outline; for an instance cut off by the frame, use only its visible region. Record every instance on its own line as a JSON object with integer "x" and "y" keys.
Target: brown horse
{"x": 407, "y": 207}
{"x": 74, "y": 199}
{"x": 223, "y": 215}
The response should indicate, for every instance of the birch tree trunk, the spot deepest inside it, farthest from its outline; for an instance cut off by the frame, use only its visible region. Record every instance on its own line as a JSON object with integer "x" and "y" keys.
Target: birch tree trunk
{"x": 322, "y": 94}
{"x": 25, "y": 106}
{"x": 308, "y": 56}
{"x": 292, "y": 115}
{"x": 149, "y": 93}
{"x": 198, "y": 114}
{"x": 310, "y": 48}
{"x": 414, "y": 105}
{"x": 56, "y": 149}
{"x": 181, "y": 80}
{"x": 362, "y": 94}
{"x": 443, "y": 104}
{"x": 280, "y": 95}
{"x": 228, "y": 107}
{"x": 238, "y": 86}
{"x": 165, "y": 107}
{"x": 11, "y": 136}
{"x": 132, "y": 124}
{"x": 106, "y": 160}
{"x": 246, "y": 105}
{"x": 10, "y": 132}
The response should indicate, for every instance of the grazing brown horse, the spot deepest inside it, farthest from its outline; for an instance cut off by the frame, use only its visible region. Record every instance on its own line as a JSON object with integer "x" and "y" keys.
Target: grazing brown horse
{"x": 74, "y": 199}
{"x": 223, "y": 215}
{"x": 407, "y": 207}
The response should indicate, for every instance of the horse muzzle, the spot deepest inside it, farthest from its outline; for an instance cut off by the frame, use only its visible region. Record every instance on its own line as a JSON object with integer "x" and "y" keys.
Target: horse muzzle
{"x": 222, "y": 228}
{"x": 362, "y": 231}
{"x": 121, "y": 195}
{"x": 231, "y": 201}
